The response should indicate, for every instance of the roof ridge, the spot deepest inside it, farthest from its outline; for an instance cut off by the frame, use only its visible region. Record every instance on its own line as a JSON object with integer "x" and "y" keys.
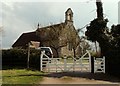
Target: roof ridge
{"x": 52, "y": 25}
{"x": 29, "y": 32}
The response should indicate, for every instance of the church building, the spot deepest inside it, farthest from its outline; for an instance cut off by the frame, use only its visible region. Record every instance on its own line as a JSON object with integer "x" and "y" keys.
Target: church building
{"x": 62, "y": 38}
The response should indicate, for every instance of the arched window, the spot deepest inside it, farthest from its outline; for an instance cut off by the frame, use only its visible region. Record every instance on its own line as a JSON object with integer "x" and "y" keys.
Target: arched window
{"x": 70, "y": 46}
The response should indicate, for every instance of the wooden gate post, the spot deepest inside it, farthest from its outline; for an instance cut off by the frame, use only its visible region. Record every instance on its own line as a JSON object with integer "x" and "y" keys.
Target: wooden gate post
{"x": 28, "y": 58}
{"x": 104, "y": 63}
{"x": 92, "y": 64}
{"x": 41, "y": 57}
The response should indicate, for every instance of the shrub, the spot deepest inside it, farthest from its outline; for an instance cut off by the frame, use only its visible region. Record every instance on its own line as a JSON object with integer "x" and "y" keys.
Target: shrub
{"x": 17, "y": 58}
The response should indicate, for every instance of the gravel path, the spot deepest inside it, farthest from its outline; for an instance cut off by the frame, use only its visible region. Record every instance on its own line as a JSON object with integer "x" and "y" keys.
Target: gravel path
{"x": 79, "y": 78}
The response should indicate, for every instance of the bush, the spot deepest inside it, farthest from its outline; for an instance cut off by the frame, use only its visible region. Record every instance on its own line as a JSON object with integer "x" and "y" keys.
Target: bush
{"x": 113, "y": 62}
{"x": 17, "y": 58}
{"x": 35, "y": 59}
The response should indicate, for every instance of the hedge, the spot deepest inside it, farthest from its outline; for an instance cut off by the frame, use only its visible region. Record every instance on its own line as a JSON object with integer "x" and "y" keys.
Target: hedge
{"x": 113, "y": 62}
{"x": 17, "y": 58}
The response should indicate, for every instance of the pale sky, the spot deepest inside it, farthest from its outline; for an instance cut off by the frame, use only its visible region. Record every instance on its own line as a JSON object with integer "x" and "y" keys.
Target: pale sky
{"x": 21, "y": 16}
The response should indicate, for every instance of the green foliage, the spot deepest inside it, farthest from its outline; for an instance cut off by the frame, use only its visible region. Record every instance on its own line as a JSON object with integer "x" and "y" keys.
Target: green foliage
{"x": 14, "y": 57}
{"x": 17, "y": 58}
{"x": 109, "y": 42}
{"x": 35, "y": 59}
{"x": 96, "y": 29}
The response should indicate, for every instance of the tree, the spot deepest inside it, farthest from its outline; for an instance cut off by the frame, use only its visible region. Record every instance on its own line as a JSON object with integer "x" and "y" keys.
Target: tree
{"x": 56, "y": 40}
{"x": 58, "y": 36}
{"x": 109, "y": 41}
{"x": 84, "y": 45}
{"x": 98, "y": 31}
{"x": 73, "y": 39}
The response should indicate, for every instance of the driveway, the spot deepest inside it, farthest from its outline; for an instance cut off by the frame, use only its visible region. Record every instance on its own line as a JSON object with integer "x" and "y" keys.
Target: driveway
{"x": 79, "y": 78}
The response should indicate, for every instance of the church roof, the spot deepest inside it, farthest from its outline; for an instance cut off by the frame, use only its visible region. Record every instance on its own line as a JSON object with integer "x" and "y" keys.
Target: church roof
{"x": 46, "y": 31}
{"x": 52, "y": 26}
{"x": 25, "y": 38}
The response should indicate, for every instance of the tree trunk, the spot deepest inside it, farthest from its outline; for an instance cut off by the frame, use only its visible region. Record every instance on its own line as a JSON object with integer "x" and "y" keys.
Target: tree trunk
{"x": 56, "y": 49}
{"x": 57, "y": 53}
{"x": 96, "y": 47}
{"x": 99, "y": 9}
{"x": 74, "y": 53}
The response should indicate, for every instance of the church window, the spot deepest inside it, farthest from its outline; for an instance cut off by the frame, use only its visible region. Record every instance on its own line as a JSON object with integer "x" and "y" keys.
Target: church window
{"x": 70, "y": 46}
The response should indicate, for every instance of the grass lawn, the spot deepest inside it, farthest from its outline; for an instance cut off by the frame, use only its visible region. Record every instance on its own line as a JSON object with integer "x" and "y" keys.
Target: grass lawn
{"x": 21, "y": 76}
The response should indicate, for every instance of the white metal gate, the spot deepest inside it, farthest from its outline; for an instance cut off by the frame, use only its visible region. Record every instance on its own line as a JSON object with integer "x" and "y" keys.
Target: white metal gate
{"x": 65, "y": 64}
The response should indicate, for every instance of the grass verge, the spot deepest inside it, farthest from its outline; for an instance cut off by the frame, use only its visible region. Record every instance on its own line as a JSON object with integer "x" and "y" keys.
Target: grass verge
{"x": 21, "y": 76}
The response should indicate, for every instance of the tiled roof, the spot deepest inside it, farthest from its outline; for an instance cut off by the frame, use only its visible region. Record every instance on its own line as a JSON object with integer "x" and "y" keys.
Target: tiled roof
{"x": 25, "y": 38}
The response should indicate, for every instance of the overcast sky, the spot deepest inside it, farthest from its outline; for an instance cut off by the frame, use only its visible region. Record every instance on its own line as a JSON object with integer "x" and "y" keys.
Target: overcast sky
{"x": 23, "y": 16}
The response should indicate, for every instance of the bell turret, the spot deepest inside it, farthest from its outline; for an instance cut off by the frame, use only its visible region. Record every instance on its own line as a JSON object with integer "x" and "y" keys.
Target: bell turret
{"x": 69, "y": 16}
